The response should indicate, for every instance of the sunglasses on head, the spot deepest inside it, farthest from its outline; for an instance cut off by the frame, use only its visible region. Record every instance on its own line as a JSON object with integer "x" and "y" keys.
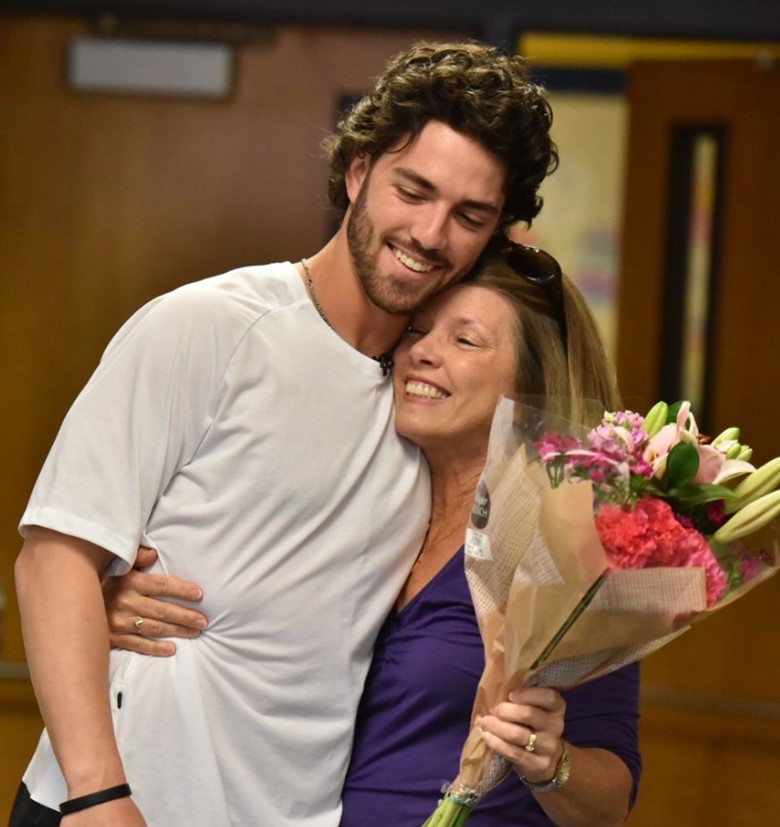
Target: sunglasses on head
{"x": 541, "y": 269}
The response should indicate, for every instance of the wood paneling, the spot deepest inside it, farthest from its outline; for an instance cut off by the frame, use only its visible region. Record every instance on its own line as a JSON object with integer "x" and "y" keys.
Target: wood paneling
{"x": 706, "y": 768}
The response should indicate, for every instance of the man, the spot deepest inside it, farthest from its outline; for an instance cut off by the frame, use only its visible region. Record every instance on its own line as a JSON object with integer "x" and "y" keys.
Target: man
{"x": 243, "y": 426}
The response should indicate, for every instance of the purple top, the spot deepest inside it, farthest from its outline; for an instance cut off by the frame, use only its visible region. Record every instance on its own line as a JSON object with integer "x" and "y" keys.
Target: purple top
{"x": 416, "y": 708}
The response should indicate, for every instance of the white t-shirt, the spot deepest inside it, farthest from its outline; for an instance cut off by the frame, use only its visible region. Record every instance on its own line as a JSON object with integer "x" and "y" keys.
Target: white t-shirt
{"x": 231, "y": 429}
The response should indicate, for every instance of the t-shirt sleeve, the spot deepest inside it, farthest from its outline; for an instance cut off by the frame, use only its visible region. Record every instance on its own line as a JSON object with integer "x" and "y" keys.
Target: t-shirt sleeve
{"x": 605, "y": 713}
{"x": 140, "y": 417}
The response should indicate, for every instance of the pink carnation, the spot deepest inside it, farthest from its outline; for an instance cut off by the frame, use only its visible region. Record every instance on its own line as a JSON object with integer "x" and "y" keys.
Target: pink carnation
{"x": 554, "y": 445}
{"x": 625, "y": 536}
{"x": 715, "y": 577}
{"x": 749, "y": 568}
{"x": 716, "y": 512}
{"x": 650, "y": 535}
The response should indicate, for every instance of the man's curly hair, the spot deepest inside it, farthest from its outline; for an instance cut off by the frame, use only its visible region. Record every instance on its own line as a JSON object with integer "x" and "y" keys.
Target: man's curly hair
{"x": 475, "y": 89}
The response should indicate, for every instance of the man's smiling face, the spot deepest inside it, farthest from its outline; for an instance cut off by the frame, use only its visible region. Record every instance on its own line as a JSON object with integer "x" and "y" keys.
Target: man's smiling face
{"x": 420, "y": 216}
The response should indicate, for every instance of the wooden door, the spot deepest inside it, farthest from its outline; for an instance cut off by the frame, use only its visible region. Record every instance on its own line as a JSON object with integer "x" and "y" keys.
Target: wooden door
{"x": 711, "y": 706}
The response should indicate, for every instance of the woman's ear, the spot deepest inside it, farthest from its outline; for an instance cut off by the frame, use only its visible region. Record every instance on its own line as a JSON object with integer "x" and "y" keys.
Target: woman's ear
{"x": 356, "y": 174}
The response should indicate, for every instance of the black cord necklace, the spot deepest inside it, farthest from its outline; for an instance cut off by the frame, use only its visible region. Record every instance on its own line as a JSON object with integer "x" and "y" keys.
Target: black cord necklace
{"x": 385, "y": 359}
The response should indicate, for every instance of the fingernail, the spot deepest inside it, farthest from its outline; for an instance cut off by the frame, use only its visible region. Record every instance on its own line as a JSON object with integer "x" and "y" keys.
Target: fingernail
{"x": 513, "y": 696}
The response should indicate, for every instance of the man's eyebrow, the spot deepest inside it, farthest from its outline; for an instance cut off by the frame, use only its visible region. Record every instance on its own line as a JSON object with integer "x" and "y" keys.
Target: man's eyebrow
{"x": 423, "y": 183}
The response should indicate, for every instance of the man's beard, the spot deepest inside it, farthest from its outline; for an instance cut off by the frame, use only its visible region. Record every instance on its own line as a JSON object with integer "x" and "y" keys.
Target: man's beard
{"x": 396, "y": 296}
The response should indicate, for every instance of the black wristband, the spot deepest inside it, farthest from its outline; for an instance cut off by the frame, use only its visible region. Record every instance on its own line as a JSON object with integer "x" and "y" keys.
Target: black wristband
{"x": 93, "y": 799}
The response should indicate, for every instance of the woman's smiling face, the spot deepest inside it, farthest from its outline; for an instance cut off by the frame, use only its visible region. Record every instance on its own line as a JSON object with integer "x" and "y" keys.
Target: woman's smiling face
{"x": 455, "y": 361}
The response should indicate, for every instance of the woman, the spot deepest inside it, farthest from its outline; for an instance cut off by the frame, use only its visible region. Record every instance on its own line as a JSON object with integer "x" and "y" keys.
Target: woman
{"x": 574, "y": 755}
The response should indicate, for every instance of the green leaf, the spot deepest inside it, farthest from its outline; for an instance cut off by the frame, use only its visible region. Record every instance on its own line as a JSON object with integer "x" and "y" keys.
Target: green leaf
{"x": 702, "y": 493}
{"x": 682, "y": 464}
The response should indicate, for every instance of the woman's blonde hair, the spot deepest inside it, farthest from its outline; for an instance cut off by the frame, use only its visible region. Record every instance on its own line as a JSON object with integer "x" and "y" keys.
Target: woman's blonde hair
{"x": 568, "y": 367}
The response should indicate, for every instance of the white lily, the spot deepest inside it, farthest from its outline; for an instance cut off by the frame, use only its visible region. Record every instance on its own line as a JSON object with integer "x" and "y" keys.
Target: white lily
{"x": 655, "y": 418}
{"x": 762, "y": 481}
{"x": 719, "y": 461}
{"x": 668, "y": 436}
{"x": 730, "y": 435}
{"x": 751, "y": 518}
{"x": 716, "y": 469}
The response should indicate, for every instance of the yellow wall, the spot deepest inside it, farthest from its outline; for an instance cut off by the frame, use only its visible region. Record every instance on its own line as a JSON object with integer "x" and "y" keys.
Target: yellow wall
{"x": 595, "y": 52}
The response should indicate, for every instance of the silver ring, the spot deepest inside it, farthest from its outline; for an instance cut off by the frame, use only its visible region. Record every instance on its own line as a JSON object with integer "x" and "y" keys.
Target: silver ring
{"x": 531, "y": 745}
{"x": 138, "y": 622}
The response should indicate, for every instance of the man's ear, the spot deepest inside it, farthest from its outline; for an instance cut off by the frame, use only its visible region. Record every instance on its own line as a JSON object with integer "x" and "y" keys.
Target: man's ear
{"x": 356, "y": 174}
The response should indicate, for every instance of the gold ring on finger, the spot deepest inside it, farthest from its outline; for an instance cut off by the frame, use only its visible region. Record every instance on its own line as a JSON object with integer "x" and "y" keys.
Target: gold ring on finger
{"x": 531, "y": 745}
{"x": 138, "y": 622}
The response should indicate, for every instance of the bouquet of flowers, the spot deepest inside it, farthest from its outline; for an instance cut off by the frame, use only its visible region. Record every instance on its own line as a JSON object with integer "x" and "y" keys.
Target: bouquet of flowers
{"x": 588, "y": 550}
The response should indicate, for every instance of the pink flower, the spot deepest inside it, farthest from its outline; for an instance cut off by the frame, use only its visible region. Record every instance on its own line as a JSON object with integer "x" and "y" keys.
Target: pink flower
{"x": 715, "y": 468}
{"x": 650, "y": 535}
{"x": 554, "y": 445}
{"x": 749, "y": 568}
{"x": 716, "y": 512}
{"x": 715, "y": 577}
{"x": 625, "y": 535}
{"x": 658, "y": 447}
{"x": 621, "y": 437}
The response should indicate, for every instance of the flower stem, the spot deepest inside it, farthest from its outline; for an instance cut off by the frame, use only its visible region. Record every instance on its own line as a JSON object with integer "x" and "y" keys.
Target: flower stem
{"x": 569, "y": 622}
{"x": 449, "y": 813}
